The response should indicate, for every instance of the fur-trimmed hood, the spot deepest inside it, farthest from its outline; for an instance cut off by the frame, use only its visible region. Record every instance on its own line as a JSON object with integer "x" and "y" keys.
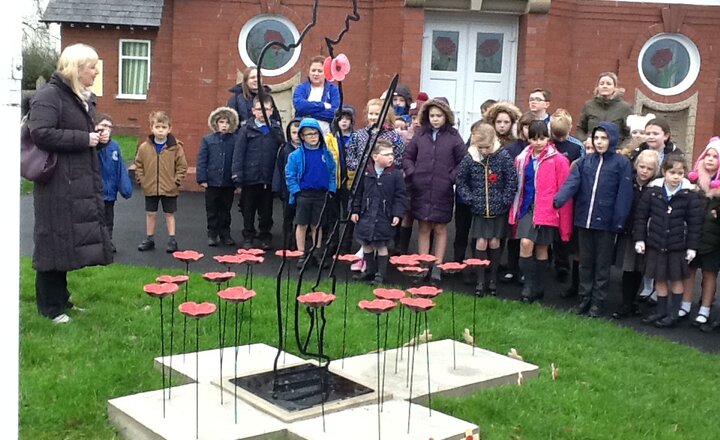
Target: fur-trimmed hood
{"x": 442, "y": 105}
{"x": 502, "y": 107}
{"x": 685, "y": 184}
{"x": 223, "y": 112}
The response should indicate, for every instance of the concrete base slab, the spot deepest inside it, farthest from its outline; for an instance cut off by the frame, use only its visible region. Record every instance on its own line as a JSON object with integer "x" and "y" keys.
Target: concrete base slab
{"x": 471, "y": 370}
{"x": 362, "y": 423}
{"x": 140, "y": 416}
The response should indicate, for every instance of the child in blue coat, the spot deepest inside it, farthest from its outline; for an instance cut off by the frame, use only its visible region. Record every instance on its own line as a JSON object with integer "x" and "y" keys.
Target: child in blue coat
{"x": 114, "y": 174}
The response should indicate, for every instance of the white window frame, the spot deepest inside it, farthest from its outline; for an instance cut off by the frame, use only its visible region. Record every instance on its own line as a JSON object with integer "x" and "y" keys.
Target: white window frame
{"x": 120, "y": 67}
{"x": 695, "y": 63}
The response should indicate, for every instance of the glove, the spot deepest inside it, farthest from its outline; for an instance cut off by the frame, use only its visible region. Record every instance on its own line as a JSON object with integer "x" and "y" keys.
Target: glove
{"x": 690, "y": 255}
{"x": 640, "y": 247}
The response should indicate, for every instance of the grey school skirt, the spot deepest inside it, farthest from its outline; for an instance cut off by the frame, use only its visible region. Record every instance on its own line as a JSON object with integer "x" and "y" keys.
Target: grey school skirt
{"x": 542, "y": 235}
{"x": 489, "y": 227}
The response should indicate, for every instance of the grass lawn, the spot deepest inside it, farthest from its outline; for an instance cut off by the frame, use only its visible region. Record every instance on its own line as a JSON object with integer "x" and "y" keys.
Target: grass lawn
{"x": 614, "y": 383}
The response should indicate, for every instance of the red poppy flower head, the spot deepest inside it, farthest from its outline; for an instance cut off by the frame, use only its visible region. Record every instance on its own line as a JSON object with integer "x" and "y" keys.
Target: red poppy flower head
{"x": 226, "y": 259}
{"x": 192, "y": 309}
{"x": 254, "y": 251}
{"x": 452, "y": 267}
{"x": 236, "y": 294}
{"x": 377, "y": 306}
{"x": 175, "y": 279}
{"x": 391, "y": 294}
{"x": 404, "y": 260}
{"x": 316, "y": 299}
{"x": 418, "y": 304}
{"x": 425, "y": 291}
{"x": 160, "y": 290}
{"x": 327, "y": 69}
{"x": 340, "y": 67}
{"x": 348, "y": 258}
{"x": 425, "y": 259}
{"x": 476, "y": 262}
{"x": 661, "y": 58}
{"x": 289, "y": 254}
{"x": 218, "y": 277}
{"x": 188, "y": 255}
{"x": 251, "y": 259}
{"x": 413, "y": 271}
{"x": 492, "y": 178}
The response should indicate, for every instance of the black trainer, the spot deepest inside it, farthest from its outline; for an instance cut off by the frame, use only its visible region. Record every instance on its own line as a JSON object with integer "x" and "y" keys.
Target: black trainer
{"x": 146, "y": 245}
{"x": 172, "y": 245}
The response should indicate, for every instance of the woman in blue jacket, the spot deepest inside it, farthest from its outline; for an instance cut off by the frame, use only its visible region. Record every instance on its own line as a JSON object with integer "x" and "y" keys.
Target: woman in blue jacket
{"x": 315, "y": 97}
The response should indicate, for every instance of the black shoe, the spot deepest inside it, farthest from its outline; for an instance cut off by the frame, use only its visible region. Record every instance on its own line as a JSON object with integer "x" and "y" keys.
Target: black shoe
{"x": 377, "y": 281}
{"x": 570, "y": 292}
{"x": 595, "y": 311}
{"x": 666, "y": 322}
{"x": 213, "y": 240}
{"x": 625, "y": 311}
{"x": 652, "y": 318}
{"x": 171, "y": 246}
{"x": 711, "y": 326}
{"x": 526, "y": 294}
{"x": 583, "y": 307}
{"x": 146, "y": 245}
{"x": 300, "y": 263}
{"x": 509, "y": 277}
{"x": 480, "y": 290}
{"x": 248, "y": 243}
{"x": 227, "y": 241}
{"x": 265, "y": 245}
{"x": 364, "y": 276}
{"x": 492, "y": 288}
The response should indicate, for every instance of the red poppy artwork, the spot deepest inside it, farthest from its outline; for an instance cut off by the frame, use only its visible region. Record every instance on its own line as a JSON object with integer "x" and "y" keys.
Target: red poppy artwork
{"x": 227, "y": 259}
{"x": 218, "y": 277}
{"x": 160, "y": 290}
{"x": 175, "y": 279}
{"x": 661, "y": 58}
{"x": 188, "y": 255}
{"x": 192, "y": 309}
{"x": 492, "y": 177}
{"x": 256, "y": 252}
{"x": 389, "y": 294}
{"x": 476, "y": 262}
{"x": 273, "y": 35}
{"x": 316, "y": 299}
{"x": 418, "y": 304}
{"x": 250, "y": 259}
{"x": 425, "y": 259}
{"x": 425, "y": 291}
{"x": 289, "y": 254}
{"x": 452, "y": 267}
{"x": 377, "y": 306}
{"x": 413, "y": 271}
{"x": 445, "y": 45}
{"x": 489, "y": 47}
{"x": 404, "y": 260}
{"x": 348, "y": 258}
{"x": 236, "y": 294}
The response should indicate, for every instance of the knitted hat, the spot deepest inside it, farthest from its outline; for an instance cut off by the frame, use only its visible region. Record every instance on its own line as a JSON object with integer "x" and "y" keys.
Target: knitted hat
{"x": 415, "y": 106}
{"x": 638, "y": 122}
{"x": 695, "y": 173}
{"x": 404, "y": 91}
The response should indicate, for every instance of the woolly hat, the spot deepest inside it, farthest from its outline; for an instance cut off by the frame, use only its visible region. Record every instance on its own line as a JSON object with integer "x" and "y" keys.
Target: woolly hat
{"x": 638, "y": 122}
{"x": 696, "y": 171}
{"x": 404, "y": 91}
{"x": 415, "y": 106}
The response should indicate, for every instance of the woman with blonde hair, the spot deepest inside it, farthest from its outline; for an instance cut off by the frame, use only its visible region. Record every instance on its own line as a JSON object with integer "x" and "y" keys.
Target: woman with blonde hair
{"x": 69, "y": 230}
{"x": 608, "y": 105}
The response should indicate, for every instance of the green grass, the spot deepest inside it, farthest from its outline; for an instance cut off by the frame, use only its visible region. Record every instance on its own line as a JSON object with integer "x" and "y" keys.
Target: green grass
{"x": 614, "y": 383}
{"x": 128, "y": 146}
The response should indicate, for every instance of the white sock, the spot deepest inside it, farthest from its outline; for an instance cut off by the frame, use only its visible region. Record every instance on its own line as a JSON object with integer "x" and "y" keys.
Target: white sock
{"x": 648, "y": 285}
{"x": 360, "y": 253}
{"x": 685, "y": 306}
{"x": 653, "y": 296}
{"x": 703, "y": 314}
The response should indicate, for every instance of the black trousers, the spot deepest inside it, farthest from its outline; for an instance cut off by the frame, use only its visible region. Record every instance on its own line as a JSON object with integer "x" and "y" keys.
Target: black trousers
{"x": 51, "y": 294}
{"x": 561, "y": 255}
{"x": 109, "y": 216}
{"x": 463, "y": 220}
{"x": 257, "y": 199}
{"x": 596, "y": 255}
{"x": 218, "y": 205}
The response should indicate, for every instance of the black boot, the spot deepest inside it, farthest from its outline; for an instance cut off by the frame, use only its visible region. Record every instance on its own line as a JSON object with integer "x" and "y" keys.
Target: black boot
{"x": 382, "y": 263}
{"x": 583, "y": 307}
{"x": 674, "y": 302}
{"x": 213, "y": 238}
{"x": 527, "y": 268}
{"x": 494, "y": 256}
{"x": 404, "y": 239}
{"x": 661, "y": 311}
{"x": 630, "y": 285}
{"x": 480, "y": 285}
{"x": 542, "y": 271}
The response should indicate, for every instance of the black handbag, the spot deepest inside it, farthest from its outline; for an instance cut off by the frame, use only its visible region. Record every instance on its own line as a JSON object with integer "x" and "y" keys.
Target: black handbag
{"x": 35, "y": 164}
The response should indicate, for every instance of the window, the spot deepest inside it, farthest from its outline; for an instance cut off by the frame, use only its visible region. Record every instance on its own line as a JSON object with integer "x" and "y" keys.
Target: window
{"x": 261, "y": 30}
{"x": 444, "y": 51}
{"x": 669, "y": 64}
{"x": 134, "y": 75}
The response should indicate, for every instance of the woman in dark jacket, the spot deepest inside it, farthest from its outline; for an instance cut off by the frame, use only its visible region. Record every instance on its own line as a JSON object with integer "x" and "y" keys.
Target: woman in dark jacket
{"x": 430, "y": 162}
{"x": 69, "y": 233}
{"x": 607, "y": 105}
{"x": 243, "y": 95}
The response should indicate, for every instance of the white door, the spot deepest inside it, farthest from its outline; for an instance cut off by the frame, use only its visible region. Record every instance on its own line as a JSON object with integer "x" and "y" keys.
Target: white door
{"x": 468, "y": 60}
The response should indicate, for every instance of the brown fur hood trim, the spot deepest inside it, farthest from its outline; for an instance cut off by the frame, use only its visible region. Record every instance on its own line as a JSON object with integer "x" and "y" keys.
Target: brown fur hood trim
{"x": 223, "y": 112}
{"x": 442, "y": 105}
{"x": 502, "y": 107}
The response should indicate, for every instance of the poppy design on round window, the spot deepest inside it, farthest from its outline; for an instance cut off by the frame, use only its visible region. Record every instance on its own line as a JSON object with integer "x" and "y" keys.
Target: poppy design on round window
{"x": 669, "y": 64}
{"x": 260, "y": 31}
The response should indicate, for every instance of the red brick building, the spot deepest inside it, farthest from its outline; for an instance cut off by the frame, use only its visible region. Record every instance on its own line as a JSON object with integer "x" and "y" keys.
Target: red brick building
{"x": 182, "y": 56}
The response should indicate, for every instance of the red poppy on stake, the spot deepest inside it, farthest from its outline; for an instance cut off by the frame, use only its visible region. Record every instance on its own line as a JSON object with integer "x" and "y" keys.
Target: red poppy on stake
{"x": 348, "y": 258}
{"x": 160, "y": 290}
{"x": 425, "y": 291}
{"x": 289, "y": 254}
{"x": 188, "y": 255}
{"x": 418, "y": 304}
{"x": 476, "y": 262}
{"x": 404, "y": 260}
{"x": 413, "y": 271}
{"x": 452, "y": 267}
{"x": 316, "y": 299}
{"x": 256, "y": 252}
{"x": 237, "y": 294}
{"x": 227, "y": 259}
{"x": 391, "y": 294}
{"x": 192, "y": 309}
{"x": 377, "y": 306}
{"x": 175, "y": 279}
{"x": 218, "y": 277}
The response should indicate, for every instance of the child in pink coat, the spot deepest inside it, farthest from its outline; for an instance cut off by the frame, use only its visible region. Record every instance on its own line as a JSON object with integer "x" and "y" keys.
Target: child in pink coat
{"x": 541, "y": 171}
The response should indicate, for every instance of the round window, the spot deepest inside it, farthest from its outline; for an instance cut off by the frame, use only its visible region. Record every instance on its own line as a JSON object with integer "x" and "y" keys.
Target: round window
{"x": 261, "y": 30}
{"x": 669, "y": 64}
